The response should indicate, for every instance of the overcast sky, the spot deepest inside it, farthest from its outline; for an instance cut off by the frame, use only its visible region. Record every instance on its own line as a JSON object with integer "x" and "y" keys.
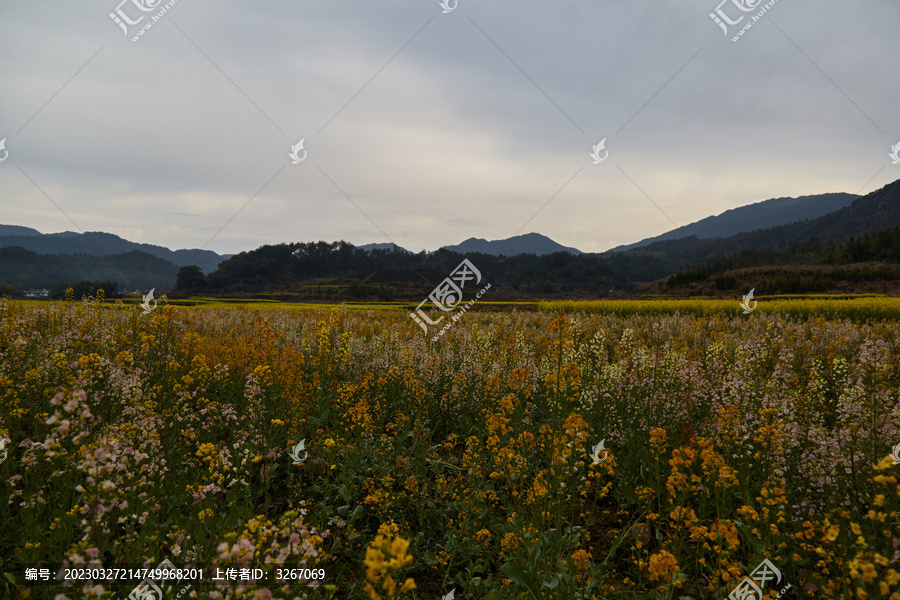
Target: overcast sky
{"x": 425, "y": 128}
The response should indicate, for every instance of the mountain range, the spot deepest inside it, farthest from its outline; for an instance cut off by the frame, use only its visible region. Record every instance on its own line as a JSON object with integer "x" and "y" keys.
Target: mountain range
{"x": 96, "y": 243}
{"x": 878, "y": 210}
{"x": 761, "y": 215}
{"x": 527, "y": 265}
{"x": 530, "y": 243}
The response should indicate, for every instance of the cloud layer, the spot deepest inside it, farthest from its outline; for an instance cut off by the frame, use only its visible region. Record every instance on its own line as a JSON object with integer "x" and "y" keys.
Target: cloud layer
{"x": 427, "y": 128}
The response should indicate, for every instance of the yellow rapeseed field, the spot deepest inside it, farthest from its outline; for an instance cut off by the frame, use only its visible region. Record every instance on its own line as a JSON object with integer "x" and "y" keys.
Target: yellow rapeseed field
{"x": 587, "y": 450}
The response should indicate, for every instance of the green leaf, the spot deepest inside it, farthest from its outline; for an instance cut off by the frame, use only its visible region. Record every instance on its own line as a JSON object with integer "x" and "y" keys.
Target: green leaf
{"x": 630, "y": 496}
{"x": 357, "y": 512}
{"x": 524, "y": 577}
{"x": 492, "y": 596}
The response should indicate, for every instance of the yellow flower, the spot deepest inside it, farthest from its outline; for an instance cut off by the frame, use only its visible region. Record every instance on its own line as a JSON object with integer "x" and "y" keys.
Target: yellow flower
{"x": 205, "y": 449}
{"x": 398, "y": 549}
{"x": 662, "y": 566}
{"x": 389, "y": 585}
{"x": 374, "y": 560}
{"x": 581, "y": 559}
{"x": 371, "y": 592}
{"x": 384, "y": 556}
{"x": 508, "y": 543}
{"x": 885, "y": 463}
{"x": 658, "y": 441}
{"x": 388, "y": 528}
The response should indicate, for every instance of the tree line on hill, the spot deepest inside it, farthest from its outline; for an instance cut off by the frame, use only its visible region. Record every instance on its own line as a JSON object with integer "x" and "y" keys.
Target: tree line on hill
{"x": 359, "y": 272}
{"x": 862, "y": 259}
{"x": 330, "y": 271}
{"x": 22, "y": 269}
{"x": 836, "y": 243}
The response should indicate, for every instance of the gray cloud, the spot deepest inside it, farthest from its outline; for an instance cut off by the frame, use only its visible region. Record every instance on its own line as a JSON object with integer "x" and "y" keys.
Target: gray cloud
{"x": 468, "y": 131}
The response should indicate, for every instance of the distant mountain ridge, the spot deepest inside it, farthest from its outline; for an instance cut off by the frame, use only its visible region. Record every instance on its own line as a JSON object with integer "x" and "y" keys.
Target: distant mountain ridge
{"x": 873, "y": 212}
{"x": 530, "y": 243}
{"x": 760, "y": 215}
{"x": 383, "y": 246}
{"x": 876, "y": 211}
{"x": 96, "y": 243}
{"x": 17, "y": 230}
{"x": 530, "y": 265}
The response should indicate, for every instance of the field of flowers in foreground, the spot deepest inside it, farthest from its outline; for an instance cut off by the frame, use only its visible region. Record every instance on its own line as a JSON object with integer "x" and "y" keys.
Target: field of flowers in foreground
{"x": 459, "y": 465}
